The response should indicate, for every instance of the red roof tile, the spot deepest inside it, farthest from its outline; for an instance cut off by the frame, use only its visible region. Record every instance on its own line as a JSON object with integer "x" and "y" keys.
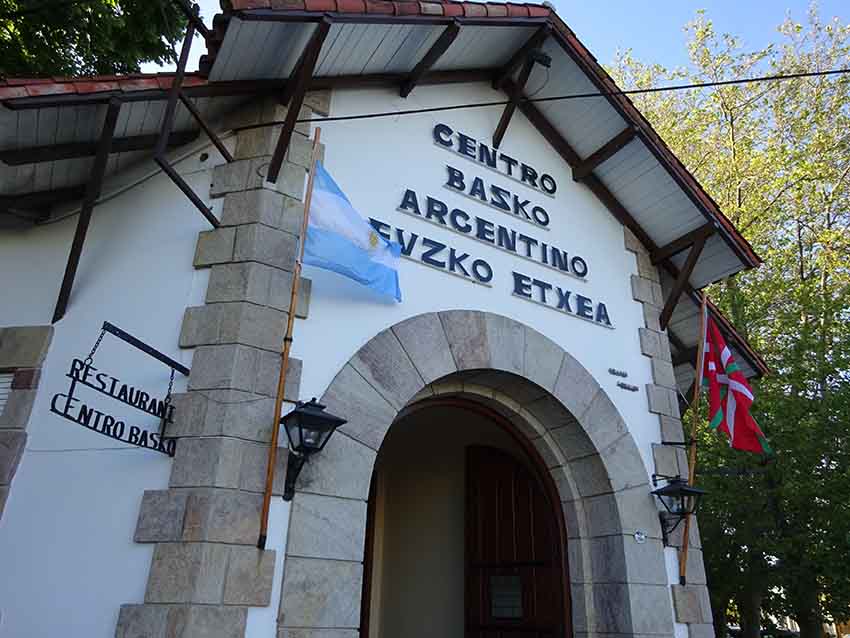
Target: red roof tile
{"x": 31, "y": 87}
{"x": 446, "y": 8}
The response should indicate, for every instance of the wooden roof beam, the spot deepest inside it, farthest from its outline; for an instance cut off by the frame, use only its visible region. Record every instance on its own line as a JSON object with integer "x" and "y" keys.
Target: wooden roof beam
{"x": 681, "y": 281}
{"x": 447, "y": 37}
{"x": 40, "y": 200}
{"x": 534, "y": 42}
{"x": 678, "y": 245}
{"x": 603, "y": 153}
{"x": 515, "y": 97}
{"x": 55, "y": 152}
{"x": 92, "y": 193}
{"x": 295, "y": 92}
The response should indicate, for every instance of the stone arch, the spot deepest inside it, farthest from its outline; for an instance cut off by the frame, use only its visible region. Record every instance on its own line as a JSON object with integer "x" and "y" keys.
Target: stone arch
{"x": 617, "y": 584}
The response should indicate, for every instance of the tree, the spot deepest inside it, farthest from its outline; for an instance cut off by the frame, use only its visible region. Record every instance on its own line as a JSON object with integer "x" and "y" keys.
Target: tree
{"x": 776, "y": 157}
{"x": 86, "y": 37}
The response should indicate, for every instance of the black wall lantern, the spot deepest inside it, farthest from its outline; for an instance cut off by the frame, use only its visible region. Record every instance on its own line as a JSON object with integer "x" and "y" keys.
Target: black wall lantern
{"x": 309, "y": 428}
{"x": 679, "y": 499}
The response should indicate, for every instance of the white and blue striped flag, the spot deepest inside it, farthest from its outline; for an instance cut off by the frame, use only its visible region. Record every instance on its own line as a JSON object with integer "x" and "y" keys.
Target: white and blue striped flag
{"x": 340, "y": 240}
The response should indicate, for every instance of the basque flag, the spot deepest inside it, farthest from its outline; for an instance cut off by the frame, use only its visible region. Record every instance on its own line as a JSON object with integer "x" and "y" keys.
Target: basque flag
{"x": 729, "y": 395}
{"x": 339, "y": 239}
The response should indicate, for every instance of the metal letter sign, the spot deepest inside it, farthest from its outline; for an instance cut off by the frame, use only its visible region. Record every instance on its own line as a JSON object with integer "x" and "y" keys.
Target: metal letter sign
{"x": 83, "y": 372}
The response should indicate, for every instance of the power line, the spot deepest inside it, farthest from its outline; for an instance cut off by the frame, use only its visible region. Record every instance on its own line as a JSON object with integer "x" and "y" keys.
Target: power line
{"x": 575, "y": 96}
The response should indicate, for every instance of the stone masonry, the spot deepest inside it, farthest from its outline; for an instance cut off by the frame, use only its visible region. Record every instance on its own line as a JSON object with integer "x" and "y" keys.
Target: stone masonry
{"x": 22, "y": 352}
{"x": 690, "y": 601}
{"x": 206, "y": 570}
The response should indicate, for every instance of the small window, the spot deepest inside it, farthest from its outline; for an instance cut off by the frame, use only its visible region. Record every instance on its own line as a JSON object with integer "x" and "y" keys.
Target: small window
{"x": 506, "y": 597}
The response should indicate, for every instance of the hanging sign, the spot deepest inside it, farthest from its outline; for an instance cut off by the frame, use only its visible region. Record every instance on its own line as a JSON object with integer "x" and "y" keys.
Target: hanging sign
{"x": 84, "y": 373}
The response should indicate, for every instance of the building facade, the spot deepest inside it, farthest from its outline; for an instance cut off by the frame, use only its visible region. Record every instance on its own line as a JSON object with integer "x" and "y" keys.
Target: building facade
{"x": 507, "y": 421}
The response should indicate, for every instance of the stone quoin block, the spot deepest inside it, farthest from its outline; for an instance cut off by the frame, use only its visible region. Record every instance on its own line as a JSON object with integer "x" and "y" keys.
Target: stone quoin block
{"x": 181, "y": 621}
{"x": 662, "y": 400}
{"x": 26, "y": 379}
{"x": 696, "y": 567}
{"x": 250, "y": 573}
{"x": 137, "y": 621}
{"x": 214, "y": 247}
{"x": 671, "y": 429}
{"x": 161, "y": 516}
{"x": 318, "y": 101}
{"x": 252, "y": 475}
{"x": 651, "y": 316}
{"x": 16, "y": 413}
{"x": 321, "y": 593}
{"x": 257, "y": 142}
{"x": 230, "y": 177}
{"x": 542, "y": 359}
{"x": 234, "y": 322}
{"x": 575, "y": 388}
{"x": 646, "y": 269}
{"x": 647, "y": 291}
{"x": 369, "y": 414}
{"x": 327, "y": 527}
{"x": 384, "y": 364}
{"x": 187, "y": 573}
{"x": 654, "y": 344}
{"x": 506, "y": 340}
{"x": 677, "y": 535}
{"x": 24, "y": 346}
{"x": 632, "y": 243}
{"x": 222, "y": 516}
{"x": 691, "y": 604}
{"x": 270, "y": 246}
{"x": 207, "y": 462}
{"x": 666, "y": 460}
{"x": 624, "y": 464}
{"x": 424, "y": 341}
{"x": 214, "y": 412}
{"x": 662, "y": 373}
{"x": 12, "y": 443}
{"x": 650, "y": 609}
{"x": 244, "y": 281}
{"x": 251, "y": 325}
{"x": 258, "y": 206}
{"x": 345, "y": 470}
{"x": 224, "y": 367}
{"x": 466, "y": 333}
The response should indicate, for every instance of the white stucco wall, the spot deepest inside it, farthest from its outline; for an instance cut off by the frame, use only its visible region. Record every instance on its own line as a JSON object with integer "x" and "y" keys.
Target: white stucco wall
{"x": 374, "y": 161}
{"x": 67, "y": 556}
{"x": 66, "y": 548}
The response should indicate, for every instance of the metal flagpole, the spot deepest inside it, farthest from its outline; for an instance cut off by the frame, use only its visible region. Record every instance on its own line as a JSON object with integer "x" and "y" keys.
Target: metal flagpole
{"x": 692, "y": 455}
{"x": 287, "y": 344}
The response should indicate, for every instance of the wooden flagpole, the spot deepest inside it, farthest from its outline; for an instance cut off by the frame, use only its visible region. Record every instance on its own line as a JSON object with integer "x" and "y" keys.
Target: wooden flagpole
{"x": 692, "y": 455}
{"x": 287, "y": 344}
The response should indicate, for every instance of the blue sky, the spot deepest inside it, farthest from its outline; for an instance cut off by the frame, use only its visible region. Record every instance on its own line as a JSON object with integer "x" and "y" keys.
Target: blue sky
{"x": 652, "y": 29}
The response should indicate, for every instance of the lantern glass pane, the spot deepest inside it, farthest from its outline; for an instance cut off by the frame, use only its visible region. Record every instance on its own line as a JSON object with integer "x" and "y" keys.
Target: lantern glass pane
{"x": 293, "y": 431}
{"x": 312, "y": 439}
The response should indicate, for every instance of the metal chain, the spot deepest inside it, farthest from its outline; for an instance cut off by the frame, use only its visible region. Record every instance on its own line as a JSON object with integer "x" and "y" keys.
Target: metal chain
{"x": 90, "y": 359}
{"x": 170, "y": 387}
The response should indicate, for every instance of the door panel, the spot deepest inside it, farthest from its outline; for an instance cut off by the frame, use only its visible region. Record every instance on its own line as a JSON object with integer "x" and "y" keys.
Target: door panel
{"x": 513, "y": 558}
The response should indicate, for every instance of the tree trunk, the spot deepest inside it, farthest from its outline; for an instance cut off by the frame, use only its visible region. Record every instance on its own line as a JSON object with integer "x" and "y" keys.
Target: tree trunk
{"x": 749, "y": 606}
{"x": 808, "y": 614}
{"x": 719, "y": 605}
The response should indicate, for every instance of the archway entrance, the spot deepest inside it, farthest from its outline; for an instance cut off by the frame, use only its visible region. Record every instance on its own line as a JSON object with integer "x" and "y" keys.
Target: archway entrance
{"x": 464, "y": 539}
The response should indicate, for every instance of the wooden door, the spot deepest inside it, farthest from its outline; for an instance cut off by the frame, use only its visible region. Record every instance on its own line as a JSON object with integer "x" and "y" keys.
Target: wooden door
{"x": 514, "y": 583}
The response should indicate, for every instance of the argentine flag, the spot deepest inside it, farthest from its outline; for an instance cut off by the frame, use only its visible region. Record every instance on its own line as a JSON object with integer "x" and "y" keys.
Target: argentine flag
{"x": 339, "y": 239}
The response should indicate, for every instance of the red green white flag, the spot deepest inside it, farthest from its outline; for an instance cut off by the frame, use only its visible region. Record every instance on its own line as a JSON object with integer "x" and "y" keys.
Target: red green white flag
{"x": 729, "y": 395}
